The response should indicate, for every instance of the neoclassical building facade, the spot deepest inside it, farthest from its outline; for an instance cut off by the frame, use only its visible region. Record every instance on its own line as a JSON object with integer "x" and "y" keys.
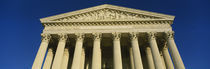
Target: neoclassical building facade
{"x": 108, "y": 37}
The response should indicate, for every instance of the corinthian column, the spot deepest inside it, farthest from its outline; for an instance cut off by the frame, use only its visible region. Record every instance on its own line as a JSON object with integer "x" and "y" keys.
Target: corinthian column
{"x": 82, "y": 59}
{"x": 41, "y": 52}
{"x": 155, "y": 52}
{"x": 78, "y": 52}
{"x": 136, "y": 51}
{"x": 59, "y": 52}
{"x": 131, "y": 58}
{"x": 149, "y": 58}
{"x": 65, "y": 59}
{"x": 167, "y": 58}
{"x": 117, "y": 51}
{"x": 178, "y": 63}
{"x": 162, "y": 58}
{"x": 96, "y": 61}
{"x": 48, "y": 60}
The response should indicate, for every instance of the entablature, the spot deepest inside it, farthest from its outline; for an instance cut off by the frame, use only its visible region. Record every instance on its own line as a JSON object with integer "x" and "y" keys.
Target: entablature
{"x": 63, "y": 28}
{"x": 106, "y": 22}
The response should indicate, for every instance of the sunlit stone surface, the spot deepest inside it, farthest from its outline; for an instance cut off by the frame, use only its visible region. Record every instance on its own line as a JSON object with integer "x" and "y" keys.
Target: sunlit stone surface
{"x": 108, "y": 37}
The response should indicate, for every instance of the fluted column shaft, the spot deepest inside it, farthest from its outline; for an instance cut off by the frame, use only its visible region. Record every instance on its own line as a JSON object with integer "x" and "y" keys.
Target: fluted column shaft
{"x": 87, "y": 66}
{"x": 162, "y": 58}
{"x": 48, "y": 60}
{"x": 65, "y": 60}
{"x": 41, "y": 52}
{"x": 131, "y": 58}
{"x": 149, "y": 58}
{"x": 117, "y": 52}
{"x": 155, "y": 52}
{"x": 178, "y": 63}
{"x": 136, "y": 51}
{"x": 59, "y": 52}
{"x": 78, "y": 52}
{"x": 82, "y": 59}
{"x": 167, "y": 58}
{"x": 96, "y": 61}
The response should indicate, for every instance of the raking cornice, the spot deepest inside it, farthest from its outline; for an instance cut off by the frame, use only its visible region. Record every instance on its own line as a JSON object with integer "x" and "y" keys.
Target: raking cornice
{"x": 157, "y": 16}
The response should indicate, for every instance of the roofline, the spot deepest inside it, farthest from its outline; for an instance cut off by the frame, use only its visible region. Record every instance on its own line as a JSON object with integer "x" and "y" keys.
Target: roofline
{"x": 137, "y": 11}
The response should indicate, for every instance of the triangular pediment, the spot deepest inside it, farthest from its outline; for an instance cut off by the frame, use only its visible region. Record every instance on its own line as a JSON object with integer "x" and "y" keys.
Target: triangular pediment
{"x": 107, "y": 12}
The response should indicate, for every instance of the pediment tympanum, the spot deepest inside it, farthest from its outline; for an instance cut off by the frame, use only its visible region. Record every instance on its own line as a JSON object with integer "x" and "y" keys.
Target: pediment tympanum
{"x": 107, "y": 12}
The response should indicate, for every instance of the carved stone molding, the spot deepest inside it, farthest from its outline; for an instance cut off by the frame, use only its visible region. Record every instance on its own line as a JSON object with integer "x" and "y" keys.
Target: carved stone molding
{"x": 169, "y": 35}
{"x": 151, "y": 35}
{"x": 46, "y": 37}
{"x": 165, "y": 46}
{"x": 97, "y": 36}
{"x": 115, "y": 22}
{"x": 109, "y": 12}
{"x": 133, "y": 35}
{"x": 116, "y": 36}
{"x": 66, "y": 51}
{"x": 80, "y": 36}
{"x": 50, "y": 50}
{"x": 106, "y": 14}
{"x": 63, "y": 37}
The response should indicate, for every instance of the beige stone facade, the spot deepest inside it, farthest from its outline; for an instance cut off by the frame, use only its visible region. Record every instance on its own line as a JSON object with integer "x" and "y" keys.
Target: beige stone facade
{"x": 108, "y": 37}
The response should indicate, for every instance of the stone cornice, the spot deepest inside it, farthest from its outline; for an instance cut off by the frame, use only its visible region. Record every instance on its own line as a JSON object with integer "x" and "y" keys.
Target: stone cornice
{"x": 108, "y": 20}
{"x": 136, "y": 11}
{"x": 95, "y": 23}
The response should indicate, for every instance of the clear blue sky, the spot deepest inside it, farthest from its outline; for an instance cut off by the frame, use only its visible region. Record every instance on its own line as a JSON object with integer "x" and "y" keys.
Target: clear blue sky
{"x": 20, "y": 27}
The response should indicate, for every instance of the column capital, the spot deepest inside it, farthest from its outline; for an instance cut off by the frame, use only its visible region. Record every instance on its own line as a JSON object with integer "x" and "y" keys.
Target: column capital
{"x": 63, "y": 37}
{"x": 133, "y": 35}
{"x": 165, "y": 46}
{"x": 151, "y": 35}
{"x": 45, "y": 37}
{"x": 169, "y": 34}
{"x": 116, "y": 36}
{"x": 147, "y": 47}
{"x": 66, "y": 50}
{"x": 50, "y": 50}
{"x": 80, "y": 36}
{"x": 97, "y": 36}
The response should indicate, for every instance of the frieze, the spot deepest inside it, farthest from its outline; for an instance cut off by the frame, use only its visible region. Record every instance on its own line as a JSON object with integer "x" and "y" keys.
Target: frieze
{"x": 106, "y": 14}
{"x": 112, "y": 28}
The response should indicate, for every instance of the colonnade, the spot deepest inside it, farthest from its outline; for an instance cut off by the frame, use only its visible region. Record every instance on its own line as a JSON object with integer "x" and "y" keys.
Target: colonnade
{"x": 154, "y": 58}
